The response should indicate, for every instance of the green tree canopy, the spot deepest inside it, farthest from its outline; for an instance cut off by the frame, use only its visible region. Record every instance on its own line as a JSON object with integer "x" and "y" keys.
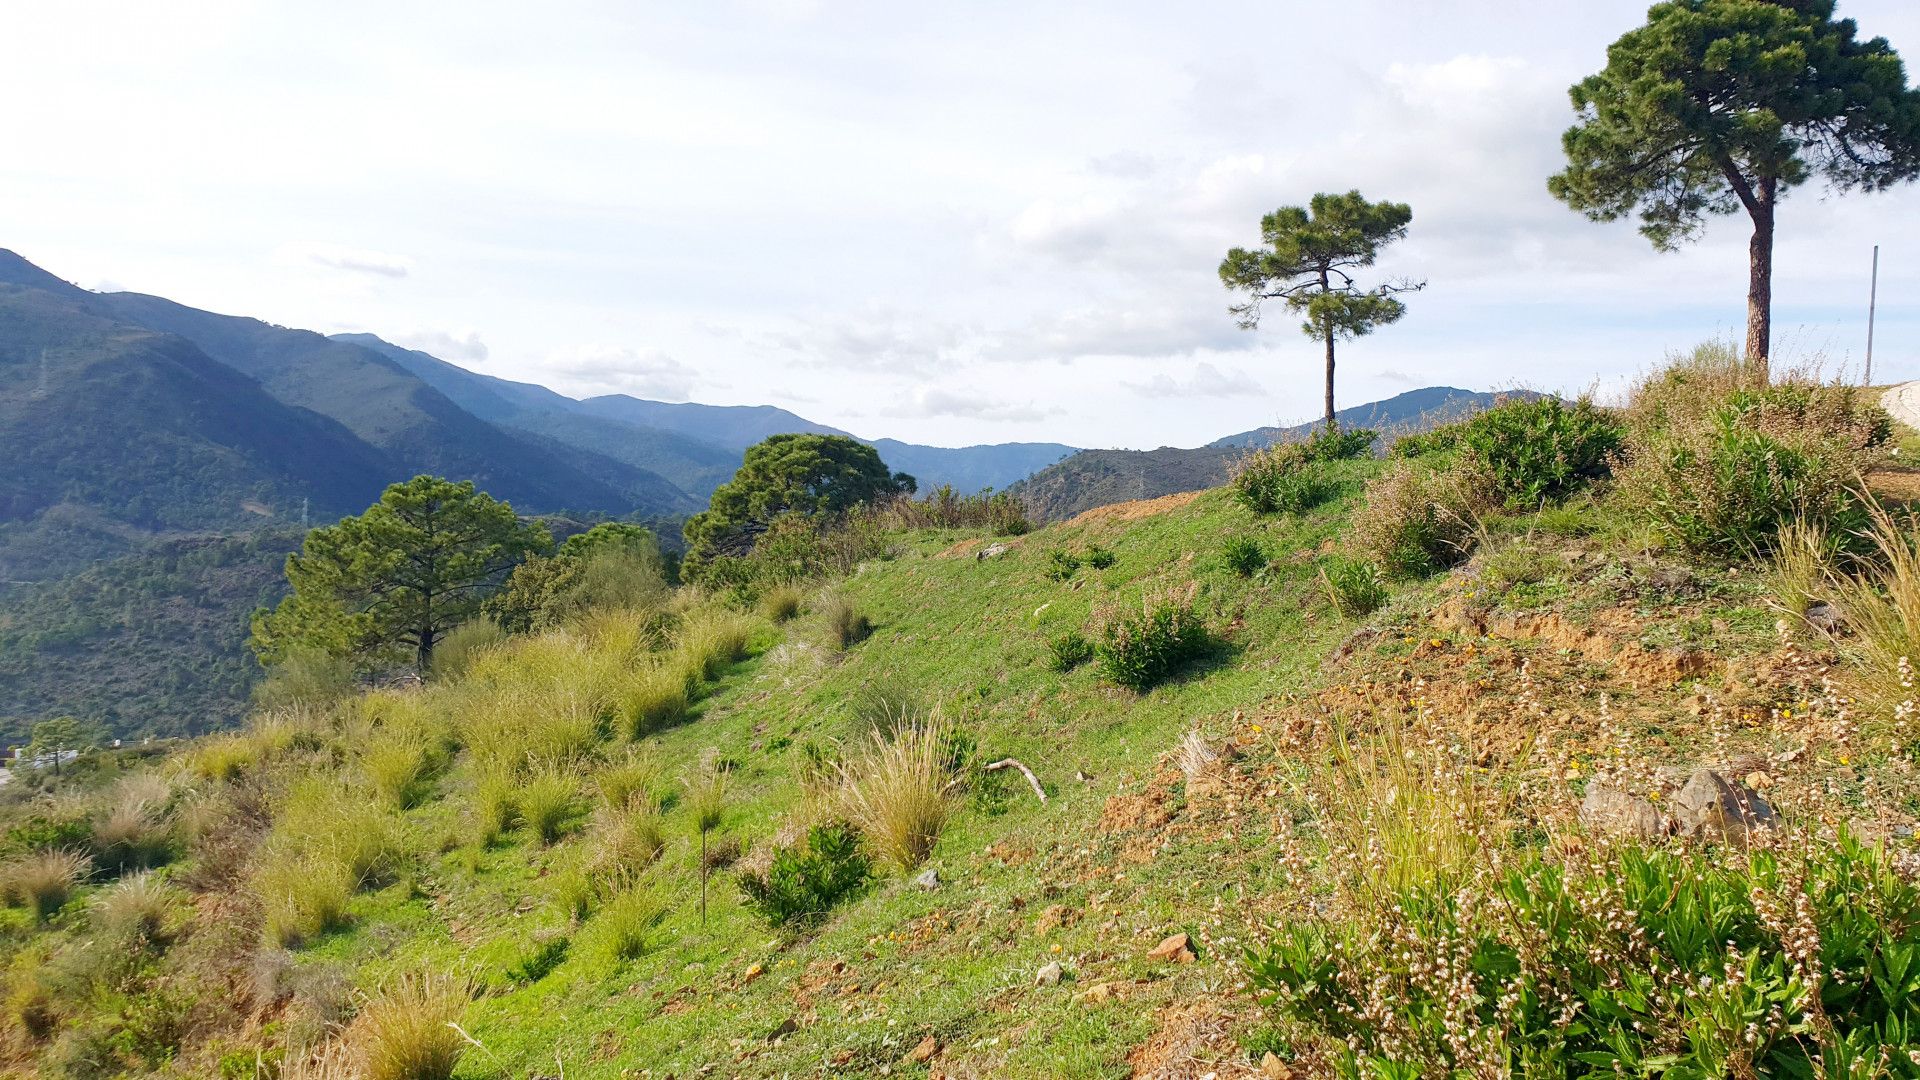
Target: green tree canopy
{"x": 804, "y": 474}
{"x": 62, "y": 735}
{"x": 1720, "y": 105}
{"x": 1307, "y": 263}
{"x": 611, "y": 564}
{"x": 399, "y": 576}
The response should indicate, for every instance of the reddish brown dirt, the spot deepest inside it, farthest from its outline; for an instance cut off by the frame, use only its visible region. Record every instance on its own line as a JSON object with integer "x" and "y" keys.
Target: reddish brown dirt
{"x": 1133, "y": 511}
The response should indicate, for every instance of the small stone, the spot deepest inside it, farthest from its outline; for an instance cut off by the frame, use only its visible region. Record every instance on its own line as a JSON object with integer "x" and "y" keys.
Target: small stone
{"x": 991, "y": 551}
{"x": 924, "y": 1051}
{"x": 1097, "y": 993}
{"x": 1049, "y": 975}
{"x": 1177, "y": 948}
{"x": 1824, "y": 617}
{"x": 1712, "y": 807}
{"x": 1272, "y": 1068}
{"x": 1612, "y": 811}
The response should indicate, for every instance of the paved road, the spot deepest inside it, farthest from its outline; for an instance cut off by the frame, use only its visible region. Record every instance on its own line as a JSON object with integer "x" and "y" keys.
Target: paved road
{"x": 1903, "y": 402}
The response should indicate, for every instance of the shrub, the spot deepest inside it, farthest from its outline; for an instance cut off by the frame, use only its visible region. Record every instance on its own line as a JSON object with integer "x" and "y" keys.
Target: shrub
{"x": 1416, "y": 520}
{"x": 655, "y": 698}
{"x": 1068, "y": 651}
{"x": 1100, "y": 558}
{"x": 1717, "y": 464}
{"x": 845, "y": 625}
{"x": 801, "y": 884}
{"x": 1543, "y": 449}
{"x": 898, "y": 793}
{"x": 1354, "y": 587}
{"x": 43, "y": 881}
{"x": 1277, "y": 480}
{"x": 549, "y": 803}
{"x": 456, "y": 651}
{"x": 1139, "y": 648}
{"x": 780, "y": 603}
{"x": 625, "y": 924}
{"x": 406, "y": 1032}
{"x": 1669, "y": 962}
{"x": 1243, "y": 555}
{"x": 945, "y": 508}
{"x": 1061, "y": 564}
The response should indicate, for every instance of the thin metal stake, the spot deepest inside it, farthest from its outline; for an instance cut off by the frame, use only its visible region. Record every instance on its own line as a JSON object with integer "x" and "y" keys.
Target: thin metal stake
{"x": 1873, "y": 297}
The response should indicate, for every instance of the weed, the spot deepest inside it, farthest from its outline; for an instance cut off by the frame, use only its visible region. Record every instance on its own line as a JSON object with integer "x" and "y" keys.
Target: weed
{"x": 136, "y": 909}
{"x": 1416, "y": 521}
{"x": 549, "y": 952}
{"x": 1354, "y": 587}
{"x": 1543, "y": 449}
{"x": 302, "y": 897}
{"x": 631, "y": 782}
{"x": 1068, "y": 651}
{"x": 1061, "y": 564}
{"x": 1139, "y": 648}
{"x": 800, "y": 884}
{"x": 624, "y": 925}
{"x": 1243, "y": 555}
{"x": 1100, "y": 558}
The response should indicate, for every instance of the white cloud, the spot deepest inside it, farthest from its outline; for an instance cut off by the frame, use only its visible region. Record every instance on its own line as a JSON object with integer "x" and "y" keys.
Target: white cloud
{"x": 465, "y": 347}
{"x": 1206, "y": 381}
{"x": 356, "y": 260}
{"x": 594, "y": 369}
{"x": 971, "y": 405}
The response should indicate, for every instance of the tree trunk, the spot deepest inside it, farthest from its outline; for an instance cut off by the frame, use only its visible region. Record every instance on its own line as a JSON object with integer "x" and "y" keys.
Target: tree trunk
{"x": 424, "y": 653}
{"x": 1327, "y": 327}
{"x": 1760, "y": 281}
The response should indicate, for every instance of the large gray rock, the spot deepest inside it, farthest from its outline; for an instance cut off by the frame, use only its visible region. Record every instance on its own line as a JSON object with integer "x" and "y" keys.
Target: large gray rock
{"x": 1712, "y": 807}
{"x": 1616, "y": 813}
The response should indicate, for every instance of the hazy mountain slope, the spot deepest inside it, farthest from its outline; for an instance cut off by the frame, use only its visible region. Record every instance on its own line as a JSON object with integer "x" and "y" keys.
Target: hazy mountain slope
{"x": 969, "y": 468}
{"x": 734, "y": 427}
{"x": 482, "y": 395}
{"x": 1093, "y": 478}
{"x": 388, "y": 407}
{"x": 150, "y": 431}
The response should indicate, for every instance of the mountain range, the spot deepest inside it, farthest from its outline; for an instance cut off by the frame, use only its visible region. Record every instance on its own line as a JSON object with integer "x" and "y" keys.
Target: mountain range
{"x": 162, "y": 460}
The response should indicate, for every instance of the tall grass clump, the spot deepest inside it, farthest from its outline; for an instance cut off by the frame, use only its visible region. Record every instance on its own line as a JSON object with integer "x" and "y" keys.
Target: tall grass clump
{"x": 43, "y": 881}
{"x": 630, "y": 781}
{"x": 401, "y": 765}
{"x": 843, "y": 623}
{"x": 133, "y": 833}
{"x": 1068, "y": 650}
{"x": 624, "y": 925}
{"x": 457, "y": 651}
{"x": 945, "y": 508}
{"x": 496, "y": 804}
{"x": 656, "y": 697}
{"x": 1717, "y": 462}
{"x": 1876, "y": 596}
{"x": 1139, "y": 647}
{"x": 136, "y": 909}
{"x": 781, "y": 603}
{"x": 302, "y": 896}
{"x": 712, "y": 639}
{"x": 221, "y": 757}
{"x": 1243, "y": 555}
{"x": 1416, "y": 520}
{"x": 1792, "y": 959}
{"x": 407, "y": 1031}
{"x": 549, "y": 803}
{"x": 899, "y": 792}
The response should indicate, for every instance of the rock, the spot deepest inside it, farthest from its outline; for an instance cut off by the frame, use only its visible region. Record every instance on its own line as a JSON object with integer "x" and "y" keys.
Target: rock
{"x": 1616, "y": 813}
{"x": 991, "y": 551}
{"x": 1049, "y": 975}
{"x": 924, "y": 1051}
{"x": 928, "y": 879}
{"x": 1712, "y": 807}
{"x": 1177, "y": 948}
{"x": 1824, "y": 617}
{"x": 1097, "y": 993}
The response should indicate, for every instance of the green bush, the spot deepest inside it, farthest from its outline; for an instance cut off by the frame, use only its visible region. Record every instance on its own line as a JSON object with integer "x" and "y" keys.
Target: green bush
{"x": 1354, "y": 587}
{"x": 1542, "y": 450}
{"x": 1100, "y": 558}
{"x": 1243, "y": 555}
{"x": 1799, "y": 962}
{"x": 1068, "y": 651}
{"x": 1416, "y": 520}
{"x": 1061, "y": 564}
{"x": 1278, "y": 482}
{"x": 1139, "y": 648}
{"x": 846, "y": 624}
{"x": 801, "y": 884}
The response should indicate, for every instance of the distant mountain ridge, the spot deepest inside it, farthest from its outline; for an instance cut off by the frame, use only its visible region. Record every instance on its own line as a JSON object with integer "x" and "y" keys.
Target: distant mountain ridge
{"x": 1093, "y": 478}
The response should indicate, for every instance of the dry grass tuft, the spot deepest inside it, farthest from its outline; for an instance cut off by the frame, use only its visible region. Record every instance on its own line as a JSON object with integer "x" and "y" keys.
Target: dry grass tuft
{"x": 899, "y": 792}
{"x": 407, "y": 1031}
{"x": 43, "y": 881}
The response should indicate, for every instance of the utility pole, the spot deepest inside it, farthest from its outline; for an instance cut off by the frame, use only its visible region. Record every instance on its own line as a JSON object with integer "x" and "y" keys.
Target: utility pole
{"x": 1873, "y": 297}
{"x": 40, "y": 391}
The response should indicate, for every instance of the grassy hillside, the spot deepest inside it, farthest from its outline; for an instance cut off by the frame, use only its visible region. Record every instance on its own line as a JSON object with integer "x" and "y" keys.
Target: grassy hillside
{"x": 1336, "y": 793}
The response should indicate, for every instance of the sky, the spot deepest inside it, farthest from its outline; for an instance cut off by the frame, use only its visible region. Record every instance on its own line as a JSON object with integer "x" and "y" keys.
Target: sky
{"x": 948, "y": 224}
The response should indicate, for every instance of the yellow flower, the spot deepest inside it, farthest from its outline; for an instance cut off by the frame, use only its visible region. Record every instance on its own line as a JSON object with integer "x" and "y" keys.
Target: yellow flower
{"x": 1256, "y": 729}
